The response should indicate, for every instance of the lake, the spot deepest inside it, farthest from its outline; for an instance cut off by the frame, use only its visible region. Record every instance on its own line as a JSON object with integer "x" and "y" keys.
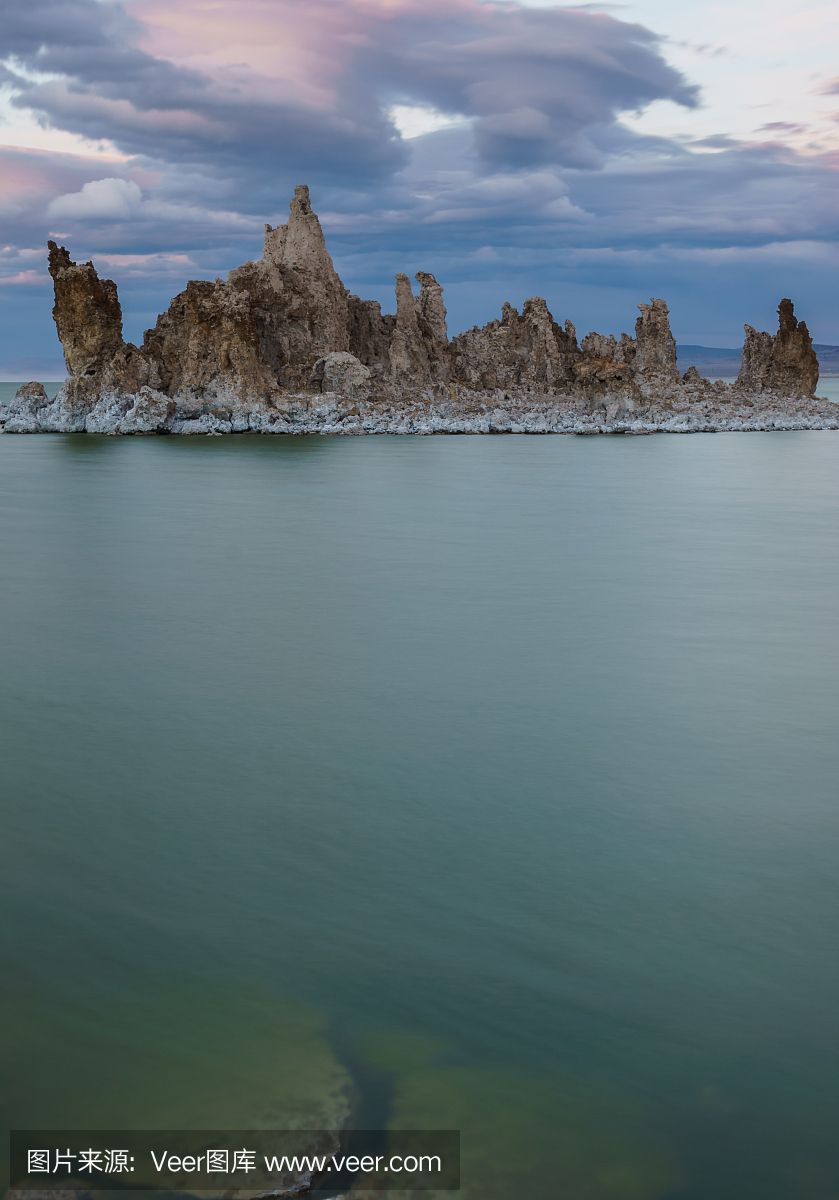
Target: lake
{"x": 488, "y": 781}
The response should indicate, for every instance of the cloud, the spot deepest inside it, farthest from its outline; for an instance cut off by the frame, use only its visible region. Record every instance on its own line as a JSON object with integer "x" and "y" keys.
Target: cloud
{"x": 319, "y": 81}
{"x": 102, "y": 199}
{"x": 38, "y": 278}
{"x": 413, "y": 120}
{"x": 482, "y": 141}
{"x": 534, "y": 79}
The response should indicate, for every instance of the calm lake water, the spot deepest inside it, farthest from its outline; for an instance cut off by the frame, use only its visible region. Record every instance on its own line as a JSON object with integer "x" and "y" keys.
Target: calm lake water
{"x": 497, "y": 774}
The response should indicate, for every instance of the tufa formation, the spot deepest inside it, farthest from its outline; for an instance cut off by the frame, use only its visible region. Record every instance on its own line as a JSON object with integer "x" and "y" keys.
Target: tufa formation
{"x": 283, "y": 347}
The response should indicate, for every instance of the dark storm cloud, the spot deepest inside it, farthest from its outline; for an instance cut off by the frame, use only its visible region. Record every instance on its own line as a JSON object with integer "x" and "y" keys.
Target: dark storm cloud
{"x": 539, "y": 190}
{"x": 90, "y": 43}
{"x": 533, "y": 80}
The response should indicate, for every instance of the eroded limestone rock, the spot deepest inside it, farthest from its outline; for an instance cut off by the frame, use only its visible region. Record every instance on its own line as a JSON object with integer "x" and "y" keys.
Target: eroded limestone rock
{"x": 785, "y": 363}
{"x": 692, "y": 376}
{"x": 597, "y": 345}
{"x": 281, "y": 346}
{"x": 87, "y": 314}
{"x": 527, "y": 350}
{"x": 432, "y": 322}
{"x": 654, "y": 364}
{"x": 23, "y": 413}
{"x": 408, "y": 353}
{"x": 341, "y": 372}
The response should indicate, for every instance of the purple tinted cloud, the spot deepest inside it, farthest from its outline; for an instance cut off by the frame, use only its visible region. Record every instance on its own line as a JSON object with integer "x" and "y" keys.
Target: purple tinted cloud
{"x": 534, "y": 80}
{"x": 542, "y": 188}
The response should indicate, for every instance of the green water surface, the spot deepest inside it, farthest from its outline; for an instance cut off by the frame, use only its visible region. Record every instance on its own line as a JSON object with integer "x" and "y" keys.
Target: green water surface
{"x": 472, "y": 782}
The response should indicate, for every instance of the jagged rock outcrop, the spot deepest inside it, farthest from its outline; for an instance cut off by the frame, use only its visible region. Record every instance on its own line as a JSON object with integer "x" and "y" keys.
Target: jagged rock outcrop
{"x": 785, "y": 363}
{"x": 341, "y": 372}
{"x": 408, "y": 354}
{"x": 263, "y": 329}
{"x": 432, "y": 323}
{"x": 87, "y": 314}
{"x": 605, "y": 375}
{"x": 654, "y": 364}
{"x": 597, "y": 345}
{"x": 21, "y": 416}
{"x": 88, "y": 318}
{"x": 419, "y": 342}
{"x": 282, "y": 346}
{"x": 527, "y": 350}
{"x": 370, "y": 333}
{"x": 692, "y": 377}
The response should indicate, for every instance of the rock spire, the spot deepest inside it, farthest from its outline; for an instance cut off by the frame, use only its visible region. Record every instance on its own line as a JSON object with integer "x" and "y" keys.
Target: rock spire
{"x": 241, "y": 352}
{"x": 784, "y": 362}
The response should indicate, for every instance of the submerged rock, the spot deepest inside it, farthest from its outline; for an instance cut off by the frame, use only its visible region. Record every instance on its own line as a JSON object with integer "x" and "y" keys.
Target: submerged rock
{"x": 186, "y": 1057}
{"x": 282, "y": 347}
{"x": 539, "y": 1136}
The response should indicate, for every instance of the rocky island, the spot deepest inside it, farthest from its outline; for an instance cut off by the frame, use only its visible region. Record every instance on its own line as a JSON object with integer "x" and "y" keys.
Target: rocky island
{"x": 283, "y": 347}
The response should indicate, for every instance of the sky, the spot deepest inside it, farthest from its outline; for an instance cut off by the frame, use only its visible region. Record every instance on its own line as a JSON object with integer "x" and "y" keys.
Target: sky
{"x": 596, "y": 155}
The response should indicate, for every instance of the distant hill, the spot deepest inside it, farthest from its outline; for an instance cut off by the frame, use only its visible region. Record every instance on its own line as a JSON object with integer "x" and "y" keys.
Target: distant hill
{"x": 22, "y": 370}
{"x": 716, "y": 361}
{"x": 711, "y": 361}
{"x": 828, "y": 357}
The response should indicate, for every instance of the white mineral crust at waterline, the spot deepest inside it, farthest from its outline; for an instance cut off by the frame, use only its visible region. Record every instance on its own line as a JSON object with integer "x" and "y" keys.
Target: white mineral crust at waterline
{"x": 282, "y": 347}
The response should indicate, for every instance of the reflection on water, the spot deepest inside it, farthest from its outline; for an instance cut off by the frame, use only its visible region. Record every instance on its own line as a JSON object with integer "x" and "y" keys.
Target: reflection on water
{"x": 498, "y": 773}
